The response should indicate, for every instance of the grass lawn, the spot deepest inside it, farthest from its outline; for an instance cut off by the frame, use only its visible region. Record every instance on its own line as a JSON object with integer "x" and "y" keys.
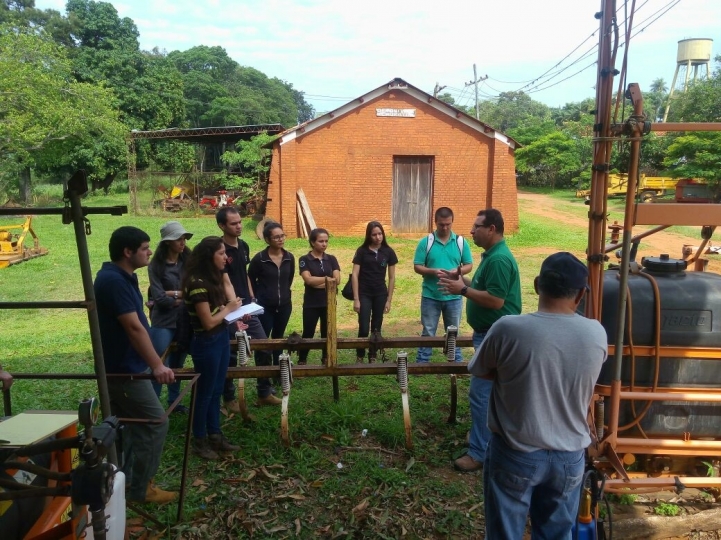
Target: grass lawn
{"x": 332, "y": 482}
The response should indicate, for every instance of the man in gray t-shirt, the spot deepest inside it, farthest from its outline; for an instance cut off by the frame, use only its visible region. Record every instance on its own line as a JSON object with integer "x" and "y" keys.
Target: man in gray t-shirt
{"x": 544, "y": 366}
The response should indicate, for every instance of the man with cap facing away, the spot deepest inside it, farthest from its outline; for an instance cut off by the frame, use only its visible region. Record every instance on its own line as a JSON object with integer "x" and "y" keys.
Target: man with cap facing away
{"x": 544, "y": 366}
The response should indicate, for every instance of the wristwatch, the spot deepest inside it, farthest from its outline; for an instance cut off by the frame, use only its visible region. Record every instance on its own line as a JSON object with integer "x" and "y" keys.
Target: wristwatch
{"x": 464, "y": 290}
{"x": 175, "y": 294}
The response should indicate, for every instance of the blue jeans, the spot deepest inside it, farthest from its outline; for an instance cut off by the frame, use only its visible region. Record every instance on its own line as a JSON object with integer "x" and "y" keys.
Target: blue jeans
{"x": 479, "y": 394}
{"x": 544, "y": 483}
{"x": 210, "y": 358}
{"x": 161, "y": 338}
{"x": 431, "y": 311}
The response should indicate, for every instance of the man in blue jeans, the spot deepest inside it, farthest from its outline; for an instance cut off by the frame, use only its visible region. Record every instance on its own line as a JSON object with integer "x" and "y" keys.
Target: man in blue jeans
{"x": 494, "y": 291}
{"x": 544, "y": 366}
{"x": 440, "y": 250}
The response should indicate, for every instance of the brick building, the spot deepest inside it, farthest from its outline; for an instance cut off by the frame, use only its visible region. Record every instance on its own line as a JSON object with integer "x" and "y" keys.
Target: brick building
{"x": 393, "y": 155}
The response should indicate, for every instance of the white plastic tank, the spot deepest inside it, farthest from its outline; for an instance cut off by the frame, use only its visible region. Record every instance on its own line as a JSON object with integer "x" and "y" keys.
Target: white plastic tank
{"x": 114, "y": 512}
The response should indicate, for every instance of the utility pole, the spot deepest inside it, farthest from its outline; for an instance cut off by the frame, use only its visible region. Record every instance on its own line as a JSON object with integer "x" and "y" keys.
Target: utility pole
{"x": 475, "y": 82}
{"x": 437, "y": 89}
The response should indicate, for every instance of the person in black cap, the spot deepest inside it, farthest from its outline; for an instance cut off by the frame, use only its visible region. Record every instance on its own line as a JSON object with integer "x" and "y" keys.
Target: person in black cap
{"x": 544, "y": 366}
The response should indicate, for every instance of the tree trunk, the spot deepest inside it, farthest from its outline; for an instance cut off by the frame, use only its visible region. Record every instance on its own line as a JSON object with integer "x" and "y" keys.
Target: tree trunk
{"x": 25, "y": 187}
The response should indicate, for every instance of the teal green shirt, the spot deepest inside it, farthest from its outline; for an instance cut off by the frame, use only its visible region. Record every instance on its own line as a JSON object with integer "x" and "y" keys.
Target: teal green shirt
{"x": 497, "y": 275}
{"x": 443, "y": 257}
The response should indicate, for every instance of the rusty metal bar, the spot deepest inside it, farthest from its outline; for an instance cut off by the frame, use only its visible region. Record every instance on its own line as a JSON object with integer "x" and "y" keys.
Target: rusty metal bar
{"x": 354, "y": 343}
{"x": 118, "y": 210}
{"x": 611, "y": 247}
{"x": 672, "y": 396}
{"x": 699, "y": 214}
{"x": 49, "y": 304}
{"x": 700, "y": 353}
{"x": 686, "y": 126}
{"x": 659, "y": 483}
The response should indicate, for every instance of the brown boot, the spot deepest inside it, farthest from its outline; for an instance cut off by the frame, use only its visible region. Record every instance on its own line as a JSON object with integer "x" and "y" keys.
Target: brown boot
{"x": 466, "y": 463}
{"x": 232, "y": 406}
{"x": 158, "y": 496}
{"x": 219, "y": 443}
{"x": 201, "y": 448}
{"x": 270, "y": 399}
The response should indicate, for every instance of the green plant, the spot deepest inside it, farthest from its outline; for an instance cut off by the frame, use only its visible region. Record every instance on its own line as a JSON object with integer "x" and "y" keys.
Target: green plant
{"x": 666, "y": 509}
{"x": 626, "y": 499}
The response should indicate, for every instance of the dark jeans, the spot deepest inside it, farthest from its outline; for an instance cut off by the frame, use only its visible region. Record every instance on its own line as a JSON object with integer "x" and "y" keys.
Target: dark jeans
{"x": 210, "y": 359}
{"x": 274, "y": 321}
{"x": 311, "y": 316}
{"x": 262, "y": 358}
{"x": 370, "y": 317}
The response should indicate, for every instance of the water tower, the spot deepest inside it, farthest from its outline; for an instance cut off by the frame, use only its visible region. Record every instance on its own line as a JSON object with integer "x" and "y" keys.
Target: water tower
{"x": 693, "y": 55}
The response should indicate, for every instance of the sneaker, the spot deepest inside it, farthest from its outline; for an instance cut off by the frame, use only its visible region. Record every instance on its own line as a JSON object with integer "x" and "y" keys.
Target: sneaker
{"x": 466, "y": 463}
{"x": 220, "y": 443}
{"x": 358, "y": 359}
{"x": 181, "y": 409}
{"x": 159, "y": 496}
{"x": 201, "y": 448}
{"x": 232, "y": 406}
{"x": 371, "y": 359}
{"x": 269, "y": 400}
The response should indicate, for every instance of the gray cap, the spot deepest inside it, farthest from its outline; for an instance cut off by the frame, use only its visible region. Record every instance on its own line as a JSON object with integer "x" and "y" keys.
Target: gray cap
{"x": 173, "y": 230}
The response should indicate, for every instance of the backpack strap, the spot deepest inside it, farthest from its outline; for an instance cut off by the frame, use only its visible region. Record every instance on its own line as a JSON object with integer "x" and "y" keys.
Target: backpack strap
{"x": 430, "y": 239}
{"x": 459, "y": 243}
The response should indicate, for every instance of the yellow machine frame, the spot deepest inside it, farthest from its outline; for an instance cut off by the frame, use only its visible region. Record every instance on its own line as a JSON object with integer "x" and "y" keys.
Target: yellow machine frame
{"x": 12, "y": 245}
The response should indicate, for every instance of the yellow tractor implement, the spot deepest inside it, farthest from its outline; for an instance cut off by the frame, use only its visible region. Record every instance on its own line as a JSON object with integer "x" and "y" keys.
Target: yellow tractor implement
{"x": 12, "y": 244}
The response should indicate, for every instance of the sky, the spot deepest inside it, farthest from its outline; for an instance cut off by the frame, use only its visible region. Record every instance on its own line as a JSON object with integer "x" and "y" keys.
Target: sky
{"x": 337, "y": 50}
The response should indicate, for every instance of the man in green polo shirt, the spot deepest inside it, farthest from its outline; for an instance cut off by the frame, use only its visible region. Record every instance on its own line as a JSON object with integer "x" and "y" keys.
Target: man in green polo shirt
{"x": 440, "y": 250}
{"x": 494, "y": 291}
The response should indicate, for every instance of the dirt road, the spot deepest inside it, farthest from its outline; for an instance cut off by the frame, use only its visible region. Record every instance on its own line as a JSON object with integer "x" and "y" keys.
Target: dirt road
{"x": 652, "y": 246}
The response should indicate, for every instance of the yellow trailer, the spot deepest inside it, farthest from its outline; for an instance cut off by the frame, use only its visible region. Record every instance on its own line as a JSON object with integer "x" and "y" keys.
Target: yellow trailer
{"x": 12, "y": 245}
{"x": 649, "y": 187}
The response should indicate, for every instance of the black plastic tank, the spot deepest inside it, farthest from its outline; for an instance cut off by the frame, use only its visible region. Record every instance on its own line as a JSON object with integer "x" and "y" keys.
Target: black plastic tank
{"x": 690, "y": 317}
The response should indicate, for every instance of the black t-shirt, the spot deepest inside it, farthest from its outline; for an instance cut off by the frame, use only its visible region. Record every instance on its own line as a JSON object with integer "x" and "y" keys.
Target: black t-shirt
{"x": 373, "y": 268}
{"x": 237, "y": 268}
{"x": 318, "y": 268}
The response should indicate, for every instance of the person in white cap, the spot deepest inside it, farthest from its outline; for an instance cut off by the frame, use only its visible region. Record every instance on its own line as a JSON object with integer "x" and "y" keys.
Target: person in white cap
{"x": 165, "y": 273}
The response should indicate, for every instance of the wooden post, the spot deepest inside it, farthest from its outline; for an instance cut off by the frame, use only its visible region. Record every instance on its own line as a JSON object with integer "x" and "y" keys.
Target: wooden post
{"x": 331, "y": 289}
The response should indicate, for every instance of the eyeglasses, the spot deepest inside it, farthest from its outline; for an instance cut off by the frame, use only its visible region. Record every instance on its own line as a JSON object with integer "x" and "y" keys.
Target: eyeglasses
{"x": 479, "y": 227}
{"x": 278, "y": 237}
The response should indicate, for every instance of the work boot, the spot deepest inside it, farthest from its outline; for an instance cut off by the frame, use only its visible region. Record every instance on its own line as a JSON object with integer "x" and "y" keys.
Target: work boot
{"x": 270, "y": 399}
{"x": 232, "y": 406}
{"x": 201, "y": 448}
{"x": 466, "y": 463}
{"x": 220, "y": 443}
{"x": 158, "y": 496}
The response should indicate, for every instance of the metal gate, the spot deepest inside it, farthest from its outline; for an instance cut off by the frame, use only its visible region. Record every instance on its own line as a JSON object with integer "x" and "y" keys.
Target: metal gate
{"x": 412, "y": 192}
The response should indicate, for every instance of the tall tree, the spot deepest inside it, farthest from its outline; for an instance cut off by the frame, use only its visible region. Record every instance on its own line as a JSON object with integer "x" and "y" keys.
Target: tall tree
{"x": 45, "y": 115}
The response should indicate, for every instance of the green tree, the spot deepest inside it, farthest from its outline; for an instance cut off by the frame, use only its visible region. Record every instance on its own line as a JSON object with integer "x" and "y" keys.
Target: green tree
{"x": 45, "y": 115}
{"x": 251, "y": 160}
{"x": 696, "y": 155}
{"x": 550, "y": 160}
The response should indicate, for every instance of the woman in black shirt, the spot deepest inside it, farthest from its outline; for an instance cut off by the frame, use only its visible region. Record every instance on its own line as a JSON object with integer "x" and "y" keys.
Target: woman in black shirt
{"x": 314, "y": 268}
{"x": 271, "y": 274}
{"x": 371, "y": 296}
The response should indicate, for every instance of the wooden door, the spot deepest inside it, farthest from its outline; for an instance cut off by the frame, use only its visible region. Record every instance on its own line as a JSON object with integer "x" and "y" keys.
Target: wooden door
{"x": 412, "y": 191}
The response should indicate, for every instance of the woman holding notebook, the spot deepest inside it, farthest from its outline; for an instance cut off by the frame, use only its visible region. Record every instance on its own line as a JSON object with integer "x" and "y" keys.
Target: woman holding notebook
{"x": 204, "y": 292}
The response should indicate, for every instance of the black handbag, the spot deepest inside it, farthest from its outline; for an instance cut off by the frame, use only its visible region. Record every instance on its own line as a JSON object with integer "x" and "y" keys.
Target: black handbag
{"x": 347, "y": 291}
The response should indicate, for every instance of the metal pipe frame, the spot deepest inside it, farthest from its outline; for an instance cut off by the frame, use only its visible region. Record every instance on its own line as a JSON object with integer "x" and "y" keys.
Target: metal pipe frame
{"x": 633, "y": 130}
